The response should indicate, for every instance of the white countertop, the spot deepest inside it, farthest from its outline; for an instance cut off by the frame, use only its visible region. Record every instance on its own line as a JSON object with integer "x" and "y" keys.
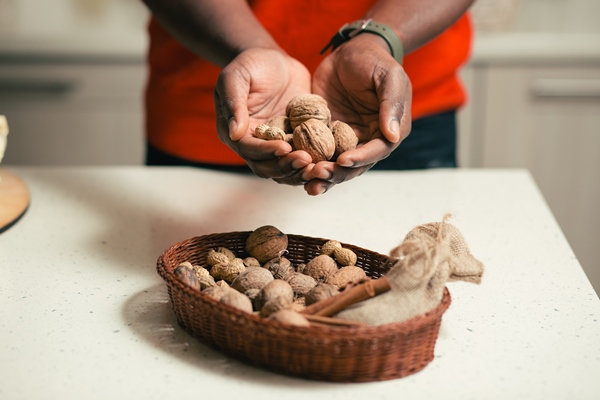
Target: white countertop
{"x": 86, "y": 316}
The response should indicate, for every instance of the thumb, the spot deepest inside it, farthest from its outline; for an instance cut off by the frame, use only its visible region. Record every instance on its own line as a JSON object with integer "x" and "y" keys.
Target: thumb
{"x": 231, "y": 102}
{"x": 395, "y": 93}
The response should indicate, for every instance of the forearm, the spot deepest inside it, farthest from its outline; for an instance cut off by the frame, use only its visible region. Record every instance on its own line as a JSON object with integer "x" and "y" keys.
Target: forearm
{"x": 417, "y": 21}
{"x": 210, "y": 28}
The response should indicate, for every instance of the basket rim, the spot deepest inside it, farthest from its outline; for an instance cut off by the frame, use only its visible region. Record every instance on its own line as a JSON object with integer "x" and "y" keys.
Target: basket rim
{"x": 404, "y": 327}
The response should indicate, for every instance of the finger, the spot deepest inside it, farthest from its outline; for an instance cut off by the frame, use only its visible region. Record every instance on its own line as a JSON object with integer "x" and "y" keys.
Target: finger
{"x": 326, "y": 175}
{"x": 288, "y": 167}
{"x": 366, "y": 154}
{"x": 395, "y": 93}
{"x": 231, "y": 95}
{"x": 254, "y": 149}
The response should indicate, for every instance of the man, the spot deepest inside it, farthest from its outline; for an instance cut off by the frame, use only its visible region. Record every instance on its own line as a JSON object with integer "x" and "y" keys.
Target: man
{"x": 252, "y": 57}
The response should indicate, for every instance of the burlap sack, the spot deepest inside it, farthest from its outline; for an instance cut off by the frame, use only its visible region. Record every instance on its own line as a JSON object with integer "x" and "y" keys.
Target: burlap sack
{"x": 430, "y": 255}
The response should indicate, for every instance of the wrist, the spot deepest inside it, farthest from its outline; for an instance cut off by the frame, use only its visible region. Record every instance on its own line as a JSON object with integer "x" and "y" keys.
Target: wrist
{"x": 369, "y": 27}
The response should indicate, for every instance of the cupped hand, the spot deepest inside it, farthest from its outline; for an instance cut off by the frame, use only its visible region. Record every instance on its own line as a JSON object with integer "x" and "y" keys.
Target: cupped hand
{"x": 366, "y": 88}
{"x": 256, "y": 86}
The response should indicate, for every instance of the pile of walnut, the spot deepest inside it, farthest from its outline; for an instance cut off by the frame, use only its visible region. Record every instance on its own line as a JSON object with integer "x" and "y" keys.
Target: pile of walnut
{"x": 266, "y": 283}
{"x": 307, "y": 126}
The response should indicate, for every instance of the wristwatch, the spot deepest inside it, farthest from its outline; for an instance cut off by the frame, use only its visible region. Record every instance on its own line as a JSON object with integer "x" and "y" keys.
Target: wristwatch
{"x": 348, "y": 31}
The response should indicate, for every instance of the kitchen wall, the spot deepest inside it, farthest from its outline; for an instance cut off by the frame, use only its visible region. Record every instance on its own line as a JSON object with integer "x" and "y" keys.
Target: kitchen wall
{"x": 566, "y": 16}
{"x": 60, "y": 18}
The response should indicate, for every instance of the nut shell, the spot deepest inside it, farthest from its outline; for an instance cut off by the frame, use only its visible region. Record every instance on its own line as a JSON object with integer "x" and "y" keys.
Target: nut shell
{"x": 251, "y": 262}
{"x": 307, "y": 106}
{"x": 260, "y": 130}
{"x": 186, "y": 274}
{"x": 320, "y": 267}
{"x": 290, "y": 317}
{"x": 251, "y": 278}
{"x": 228, "y": 271}
{"x": 344, "y": 137}
{"x": 219, "y": 256}
{"x": 301, "y": 283}
{"x": 314, "y": 137}
{"x": 329, "y": 246}
{"x": 280, "y": 267}
{"x": 320, "y": 292}
{"x": 274, "y": 290}
{"x": 216, "y": 292}
{"x": 266, "y": 243}
{"x": 347, "y": 276}
{"x": 282, "y": 122}
{"x": 237, "y": 300}
{"x": 345, "y": 257}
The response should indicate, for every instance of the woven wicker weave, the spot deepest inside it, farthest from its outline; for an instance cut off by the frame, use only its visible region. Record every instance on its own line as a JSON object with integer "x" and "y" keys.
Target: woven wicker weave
{"x": 337, "y": 354}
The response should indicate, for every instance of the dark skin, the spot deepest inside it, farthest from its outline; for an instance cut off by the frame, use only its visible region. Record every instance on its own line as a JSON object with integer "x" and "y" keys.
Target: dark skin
{"x": 362, "y": 83}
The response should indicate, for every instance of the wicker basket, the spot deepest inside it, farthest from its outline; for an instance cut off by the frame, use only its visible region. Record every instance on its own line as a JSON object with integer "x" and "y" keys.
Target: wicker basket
{"x": 338, "y": 354}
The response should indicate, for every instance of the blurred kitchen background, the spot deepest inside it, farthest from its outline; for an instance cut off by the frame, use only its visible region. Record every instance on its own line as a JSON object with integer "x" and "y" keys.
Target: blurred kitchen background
{"x": 72, "y": 74}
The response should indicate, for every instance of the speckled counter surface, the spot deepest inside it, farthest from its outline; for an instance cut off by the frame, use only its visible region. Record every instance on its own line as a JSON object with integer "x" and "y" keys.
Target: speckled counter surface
{"x": 86, "y": 316}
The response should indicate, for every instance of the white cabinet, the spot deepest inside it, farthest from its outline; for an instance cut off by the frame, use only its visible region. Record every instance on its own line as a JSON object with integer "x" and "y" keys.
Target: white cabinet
{"x": 544, "y": 117}
{"x": 73, "y": 112}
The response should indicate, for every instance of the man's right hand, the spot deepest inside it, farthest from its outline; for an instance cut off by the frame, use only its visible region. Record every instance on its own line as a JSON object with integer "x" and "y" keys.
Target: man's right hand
{"x": 255, "y": 87}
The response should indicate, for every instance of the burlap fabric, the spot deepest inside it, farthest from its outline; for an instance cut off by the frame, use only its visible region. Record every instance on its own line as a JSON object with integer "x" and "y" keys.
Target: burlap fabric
{"x": 429, "y": 256}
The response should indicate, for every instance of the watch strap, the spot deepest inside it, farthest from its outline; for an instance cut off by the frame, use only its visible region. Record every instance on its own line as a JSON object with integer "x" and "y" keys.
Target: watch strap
{"x": 348, "y": 31}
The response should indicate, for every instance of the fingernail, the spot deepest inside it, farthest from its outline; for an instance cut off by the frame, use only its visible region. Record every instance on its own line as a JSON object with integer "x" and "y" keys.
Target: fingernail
{"x": 394, "y": 128}
{"x": 232, "y": 124}
{"x": 324, "y": 175}
{"x": 347, "y": 163}
{"x": 297, "y": 164}
{"x": 282, "y": 152}
{"x": 321, "y": 190}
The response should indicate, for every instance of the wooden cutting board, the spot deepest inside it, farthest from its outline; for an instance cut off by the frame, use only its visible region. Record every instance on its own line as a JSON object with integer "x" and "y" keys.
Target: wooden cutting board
{"x": 14, "y": 199}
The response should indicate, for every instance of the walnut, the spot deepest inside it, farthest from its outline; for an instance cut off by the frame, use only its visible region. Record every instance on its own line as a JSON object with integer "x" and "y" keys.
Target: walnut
{"x": 251, "y": 278}
{"x": 186, "y": 274}
{"x": 275, "y": 295}
{"x": 237, "y": 300}
{"x": 314, "y": 137}
{"x": 301, "y": 283}
{"x": 228, "y": 271}
{"x": 280, "y": 267}
{"x": 251, "y": 262}
{"x": 320, "y": 292}
{"x": 274, "y": 305}
{"x": 344, "y": 137}
{"x": 307, "y": 106}
{"x": 216, "y": 292}
{"x": 345, "y": 257}
{"x": 320, "y": 267}
{"x": 346, "y": 276}
{"x": 252, "y": 293}
{"x": 300, "y": 268}
{"x": 266, "y": 243}
{"x": 282, "y": 122}
{"x": 222, "y": 284}
{"x": 289, "y": 137}
{"x": 206, "y": 281}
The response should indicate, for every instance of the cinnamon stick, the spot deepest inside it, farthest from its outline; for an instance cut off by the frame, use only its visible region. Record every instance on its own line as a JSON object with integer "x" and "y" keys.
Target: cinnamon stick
{"x": 357, "y": 293}
{"x": 320, "y": 320}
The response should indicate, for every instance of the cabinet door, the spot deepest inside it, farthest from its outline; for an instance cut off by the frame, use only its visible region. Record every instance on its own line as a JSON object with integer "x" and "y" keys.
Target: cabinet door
{"x": 73, "y": 114}
{"x": 547, "y": 119}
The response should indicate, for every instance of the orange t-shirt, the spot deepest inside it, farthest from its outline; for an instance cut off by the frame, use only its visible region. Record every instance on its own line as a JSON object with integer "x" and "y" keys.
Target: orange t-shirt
{"x": 180, "y": 115}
